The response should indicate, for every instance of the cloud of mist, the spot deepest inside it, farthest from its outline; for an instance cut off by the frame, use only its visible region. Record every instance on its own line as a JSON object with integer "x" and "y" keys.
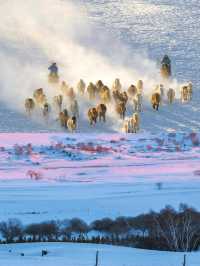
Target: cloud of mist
{"x": 34, "y": 33}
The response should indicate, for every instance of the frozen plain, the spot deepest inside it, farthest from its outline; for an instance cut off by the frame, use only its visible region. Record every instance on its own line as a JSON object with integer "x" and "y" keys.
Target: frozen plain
{"x": 151, "y": 28}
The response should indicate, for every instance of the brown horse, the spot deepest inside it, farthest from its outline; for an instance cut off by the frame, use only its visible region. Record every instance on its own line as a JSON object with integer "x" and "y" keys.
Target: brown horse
{"x": 105, "y": 94}
{"x": 92, "y": 115}
{"x": 101, "y": 110}
{"x": 91, "y": 90}
{"x": 29, "y": 105}
{"x": 121, "y": 109}
{"x": 53, "y": 78}
{"x": 132, "y": 91}
{"x": 81, "y": 86}
{"x": 46, "y": 111}
{"x": 63, "y": 117}
{"x": 39, "y": 96}
{"x": 99, "y": 86}
{"x": 155, "y": 100}
{"x": 120, "y": 97}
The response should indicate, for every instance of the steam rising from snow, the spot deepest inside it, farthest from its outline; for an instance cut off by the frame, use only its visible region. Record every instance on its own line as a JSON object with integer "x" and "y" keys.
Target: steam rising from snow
{"x": 34, "y": 33}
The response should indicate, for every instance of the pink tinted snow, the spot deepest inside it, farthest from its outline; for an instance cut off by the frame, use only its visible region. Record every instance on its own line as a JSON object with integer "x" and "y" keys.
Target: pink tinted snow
{"x": 111, "y": 163}
{"x": 10, "y": 139}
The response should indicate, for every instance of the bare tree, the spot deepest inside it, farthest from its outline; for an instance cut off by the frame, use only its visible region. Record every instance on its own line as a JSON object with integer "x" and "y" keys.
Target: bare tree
{"x": 79, "y": 226}
{"x": 11, "y": 229}
{"x": 178, "y": 229}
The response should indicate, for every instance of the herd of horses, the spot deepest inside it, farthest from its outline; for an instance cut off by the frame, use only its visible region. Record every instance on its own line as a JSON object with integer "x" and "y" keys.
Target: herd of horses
{"x": 101, "y": 97}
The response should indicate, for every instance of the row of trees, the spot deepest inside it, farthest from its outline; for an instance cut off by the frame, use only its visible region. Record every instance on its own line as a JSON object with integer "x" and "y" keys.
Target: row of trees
{"x": 165, "y": 230}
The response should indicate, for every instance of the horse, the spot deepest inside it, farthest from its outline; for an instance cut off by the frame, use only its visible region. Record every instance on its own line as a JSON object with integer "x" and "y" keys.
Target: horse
{"x": 39, "y": 96}
{"x": 101, "y": 110}
{"x": 58, "y": 100}
{"x": 105, "y": 94}
{"x": 140, "y": 86}
{"x": 29, "y": 105}
{"x": 74, "y": 108}
{"x": 131, "y": 124}
{"x": 116, "y": 85}
{"x": 92, "y": 115}
{"x": 45, "y": 111}
{"x": 137, "y": 101}
{"x": 155, "y": 100}
{"x": 72, "y": 124}
{"x": 63, "y": 117}
{"x": 132, "y": 91}
{"x": 121, "y": 109}
{"x": 81, "y": 87}
{"x": 91, "y": 90}
{"x": 170, "y": 95}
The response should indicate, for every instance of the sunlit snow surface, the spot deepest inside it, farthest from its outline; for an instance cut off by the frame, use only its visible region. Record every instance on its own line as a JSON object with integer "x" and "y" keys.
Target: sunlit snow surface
{"x": 148, "y": 28}
{"x": 155, "y": 27}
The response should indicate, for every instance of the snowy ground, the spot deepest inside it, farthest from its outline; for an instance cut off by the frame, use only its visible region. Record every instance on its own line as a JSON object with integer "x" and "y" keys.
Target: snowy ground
{"x": 94, "y": 176}
{"x": 148, "y": 29}
{"x": 66, "y": 254}
{"x": 80, "y": 176}
{"x": 155, "y": 27}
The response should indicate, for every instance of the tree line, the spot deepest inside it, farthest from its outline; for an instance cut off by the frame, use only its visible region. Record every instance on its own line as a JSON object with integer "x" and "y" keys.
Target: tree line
{"x": 168, "y": 229}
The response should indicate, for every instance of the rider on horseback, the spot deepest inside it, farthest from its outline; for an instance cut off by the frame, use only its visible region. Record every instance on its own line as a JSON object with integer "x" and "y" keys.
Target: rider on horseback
{"x": 166, "y": 60}
{"x": 53, "y": 69}
{"x": 53, "y": 75}
{"x": 166, "y": 67}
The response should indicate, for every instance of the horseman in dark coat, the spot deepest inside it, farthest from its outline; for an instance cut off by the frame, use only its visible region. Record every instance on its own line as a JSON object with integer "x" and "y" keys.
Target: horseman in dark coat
{"x": 53, "y": 75}
{"x": 166, "y": 67}
{"x": 53, "y": 69}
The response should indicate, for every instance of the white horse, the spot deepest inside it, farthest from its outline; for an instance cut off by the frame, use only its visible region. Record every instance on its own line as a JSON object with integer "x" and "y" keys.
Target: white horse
{"x": 74, "y": 108}
{"x": 140, "y": 86}
{"x": 72, "y": 124}
{"x": 57, "y": 101}
{"x": 131, "y": 124}
{"x": 117, "y": 85}
{"x": 160, "y": 89}
{"x": 137, "y": 101}
{"x": 171, "y": 95}
{"x": 81, "y": 86}
{"x": 186, "y": 92}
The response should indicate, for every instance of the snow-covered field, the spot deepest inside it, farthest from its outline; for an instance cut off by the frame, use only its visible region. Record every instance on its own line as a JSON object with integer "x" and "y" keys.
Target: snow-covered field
{"x": 100, "y": 39}
{"x": 64, "y": 176}
{"x": 91, "y": 175}
{"x": 66, "y": 254}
